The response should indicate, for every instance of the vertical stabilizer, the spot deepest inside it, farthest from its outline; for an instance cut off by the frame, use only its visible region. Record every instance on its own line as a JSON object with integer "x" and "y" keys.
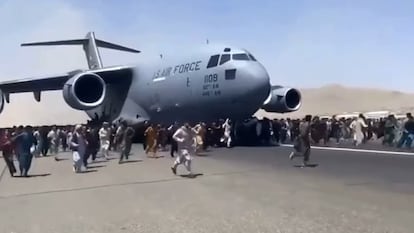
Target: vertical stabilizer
{"x": 91, "y": 52}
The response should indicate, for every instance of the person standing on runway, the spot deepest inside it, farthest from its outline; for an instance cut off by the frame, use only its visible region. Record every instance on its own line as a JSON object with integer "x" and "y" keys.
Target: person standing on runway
{"x": 24, "y": 140}
{"x": 226, "y": 138}
{"x": 53, "y": 139}
{"x": 302, "y": 143}
{"x": 357, "y": 126}
{"x": 144, "y": 142}
{"x": 185, "y": 139}
{"x": 126, "y": 143}
{"x": 44, "y": 141}
{"x": 92, "y": 147}
{"x": 104, "y": 139}
{"x": 78, "y": 145}
{"x": 36, "y": 135}
{"x": 171, "y": 130}
{"x": 7, "y": 148}
{"x": 200, "y": 137}
{"x": 151, "y": 136}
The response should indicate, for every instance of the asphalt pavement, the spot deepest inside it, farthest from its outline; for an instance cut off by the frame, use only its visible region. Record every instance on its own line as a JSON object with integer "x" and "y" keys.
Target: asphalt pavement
{"x": 243, "y": 189}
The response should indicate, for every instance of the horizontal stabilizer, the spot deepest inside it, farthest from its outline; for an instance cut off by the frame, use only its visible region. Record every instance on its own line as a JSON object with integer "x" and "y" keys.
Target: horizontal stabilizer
{"x": 108, "y": 45}
{"x": 59, "y": 42}
{"x": 90, "y": 46}
{"x": 99, "y": 43}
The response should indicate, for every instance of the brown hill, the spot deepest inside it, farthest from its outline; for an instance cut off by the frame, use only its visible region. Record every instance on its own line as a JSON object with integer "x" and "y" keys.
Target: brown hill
{"x": 334, "y": 99}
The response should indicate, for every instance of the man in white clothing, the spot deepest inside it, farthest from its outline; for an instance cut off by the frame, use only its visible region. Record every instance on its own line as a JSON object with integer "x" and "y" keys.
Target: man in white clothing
{"x": 104, "y": 138}
{"x": 357, "y": 127}
{"x": 53, "y": 138}
{"x": 36, "y": 135}
{"x": 185, "y": 138}
{"x": 227, "y": 133}
{"x": 78, "y": 146}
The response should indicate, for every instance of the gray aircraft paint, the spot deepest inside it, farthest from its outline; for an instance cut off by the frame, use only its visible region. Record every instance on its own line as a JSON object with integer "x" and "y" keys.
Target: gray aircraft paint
{"x": 182, "y": 95}
{"x": 176, "y": 87}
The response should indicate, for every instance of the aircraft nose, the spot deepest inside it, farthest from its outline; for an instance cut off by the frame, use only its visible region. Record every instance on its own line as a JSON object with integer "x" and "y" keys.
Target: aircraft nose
{"x": 257, "y": 81}
{"x": 251, "y": 83}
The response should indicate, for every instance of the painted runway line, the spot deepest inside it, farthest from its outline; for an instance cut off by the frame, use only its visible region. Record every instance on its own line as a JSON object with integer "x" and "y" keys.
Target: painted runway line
{"x": 358, "y": 150}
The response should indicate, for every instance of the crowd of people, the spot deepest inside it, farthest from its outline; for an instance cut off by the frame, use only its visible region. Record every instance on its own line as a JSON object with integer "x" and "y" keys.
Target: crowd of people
{"x": 87, "y": 142}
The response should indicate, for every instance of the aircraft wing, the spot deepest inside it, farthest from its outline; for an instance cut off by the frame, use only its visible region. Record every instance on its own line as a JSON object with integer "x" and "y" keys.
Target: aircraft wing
{"x": 56, "y": 82}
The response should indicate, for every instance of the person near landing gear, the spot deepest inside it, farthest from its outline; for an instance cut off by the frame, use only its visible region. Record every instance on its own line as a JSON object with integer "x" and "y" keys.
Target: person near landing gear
{"x": 302, "y": 143}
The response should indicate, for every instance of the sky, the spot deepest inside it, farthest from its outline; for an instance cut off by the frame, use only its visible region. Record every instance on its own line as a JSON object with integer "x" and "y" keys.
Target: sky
{"x": 301, "y": 43}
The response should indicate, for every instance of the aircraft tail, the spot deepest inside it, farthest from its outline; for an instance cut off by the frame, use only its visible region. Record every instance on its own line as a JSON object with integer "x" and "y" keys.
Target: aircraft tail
{"x": 90, "y": 46}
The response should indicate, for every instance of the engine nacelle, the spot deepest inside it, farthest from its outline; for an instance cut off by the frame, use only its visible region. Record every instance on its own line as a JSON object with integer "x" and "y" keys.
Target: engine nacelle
{"x": 282, "y": 100}
{"x": 84, "y": 91}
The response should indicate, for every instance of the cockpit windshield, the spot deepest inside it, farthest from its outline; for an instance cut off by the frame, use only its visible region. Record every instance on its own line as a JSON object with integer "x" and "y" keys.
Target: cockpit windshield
{"x": 213, "y": 61}
{"x": 251, "y": 57}
{"x": 240, "y": 56}
{"x": 216, "y": 60}
{"x": 224, "y": 58}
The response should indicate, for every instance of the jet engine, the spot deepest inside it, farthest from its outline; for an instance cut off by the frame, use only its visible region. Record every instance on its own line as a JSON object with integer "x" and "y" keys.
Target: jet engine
{"x": 282, "y": 100}
{"x": 84, "y": 91}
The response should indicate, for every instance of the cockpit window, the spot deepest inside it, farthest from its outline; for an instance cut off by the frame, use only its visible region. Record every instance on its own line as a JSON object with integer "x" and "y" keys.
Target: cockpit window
{"x": 251, "y": 57}
{"x": 213, "y": 61}
{"x": 240, "y": 56}
{"x": 224, "y": 58}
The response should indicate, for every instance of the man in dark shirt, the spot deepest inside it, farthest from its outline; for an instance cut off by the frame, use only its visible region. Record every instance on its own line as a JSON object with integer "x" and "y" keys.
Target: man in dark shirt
{"x": 171, "y": 131}
{"x": 407, "y": 132}
{"x": 92, "y": 148}
{"x": 336, "y": 129}
{"x": 389, "y": 129}
{"x": 302, "y": 142}
{"x": 126, "y": 143}
{"x": 45, "y": 144}
{"x": 409, "y": 127}
{"x": 24, "y": 140}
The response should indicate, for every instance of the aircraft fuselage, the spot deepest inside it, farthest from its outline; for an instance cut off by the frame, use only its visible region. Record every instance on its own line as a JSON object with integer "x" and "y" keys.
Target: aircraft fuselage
{"x": 205, "y": 86}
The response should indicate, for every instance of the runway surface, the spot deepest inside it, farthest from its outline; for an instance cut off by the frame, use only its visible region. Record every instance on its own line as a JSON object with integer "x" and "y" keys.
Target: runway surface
{"x": 243, "y": 189}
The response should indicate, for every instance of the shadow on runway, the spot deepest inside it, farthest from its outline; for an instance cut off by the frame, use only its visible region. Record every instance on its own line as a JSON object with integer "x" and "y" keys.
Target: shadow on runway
{"x": 111, "y": 158}
{"x": 203, "y": 154}
{"x": 96, "y": 166}
{"x": 156, "y": 157}
{"x": 34, "y": 175}
{"x": 192, "y": 176}
{"x": 57, "y": 159}
{"x": 131, "y": 161}
{"x": 89, "y": 171}
{"x": 100, "y": 161}
{"x": 309, "y": 165}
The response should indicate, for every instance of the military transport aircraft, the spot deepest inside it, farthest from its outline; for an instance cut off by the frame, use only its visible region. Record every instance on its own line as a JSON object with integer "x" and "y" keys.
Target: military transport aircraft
{"x": 214, "y": 82}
